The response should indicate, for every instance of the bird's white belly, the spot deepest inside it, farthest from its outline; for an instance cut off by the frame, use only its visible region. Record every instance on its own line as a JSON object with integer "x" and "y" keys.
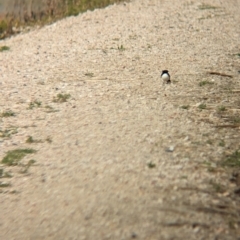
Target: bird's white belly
{"x": 165, "y": 77}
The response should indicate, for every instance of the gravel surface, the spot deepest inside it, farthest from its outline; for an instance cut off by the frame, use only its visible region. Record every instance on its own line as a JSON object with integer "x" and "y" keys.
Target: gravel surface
{"x": 125, "y": 156}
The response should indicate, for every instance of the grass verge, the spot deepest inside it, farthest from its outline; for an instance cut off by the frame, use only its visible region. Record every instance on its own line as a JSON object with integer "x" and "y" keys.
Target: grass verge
{"x": 48, "y": 12}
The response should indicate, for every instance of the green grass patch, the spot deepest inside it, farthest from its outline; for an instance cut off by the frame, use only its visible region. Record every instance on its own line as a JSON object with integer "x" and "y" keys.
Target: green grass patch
{"x": 89, "y": 74}
{"x": 210, "y": 142}
{"x": 206, "y": 7}
{"x": 8, "y": 113}
{"x": 203, "y": 83}
{"x": 232, "y": 160}
{"x": 221, "y": 109}
{"x": 34, "y": 104}
{"x": 133, "y": 36}
{"x": 219, "y": 188}
{"x": 121, "y": 48}
{"x": 74, "y": 7}
{"x": 183, "y": 177}
{"x": 202, "y": 106}
{"x": 50, "y": 109}
{"x": 13, "y": 157}
{"x": 4, "y": 184}
{"x": 7, "y": 132}
{"x": 221, "y": 143}
{"x": 234, "y": 119}
{"x": 3, "y": 26}
{"x": 185, "y": 107}
{"x": 149, "y": 46}
{"x": 31, "y": 140}
{"x": 151, "y": 165}
{"x": 4, "y": 48}
{"x": 60, "y": 98}
{"x": 49, "y": 139}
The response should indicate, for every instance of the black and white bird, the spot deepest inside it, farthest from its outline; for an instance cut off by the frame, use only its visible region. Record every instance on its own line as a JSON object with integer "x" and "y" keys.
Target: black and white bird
{"x": 165, "y": 76}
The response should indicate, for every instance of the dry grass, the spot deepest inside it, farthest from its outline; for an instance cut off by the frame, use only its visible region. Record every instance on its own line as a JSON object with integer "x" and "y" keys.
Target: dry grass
{"x": 48, "y": 12}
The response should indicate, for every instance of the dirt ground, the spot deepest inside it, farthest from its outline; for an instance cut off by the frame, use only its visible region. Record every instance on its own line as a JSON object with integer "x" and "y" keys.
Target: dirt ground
{"x": 120, "y": 155}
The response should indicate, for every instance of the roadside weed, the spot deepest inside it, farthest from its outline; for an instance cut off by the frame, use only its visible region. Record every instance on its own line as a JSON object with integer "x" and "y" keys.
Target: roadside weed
{"x": 185, "y": 107}
{"x": 4, "y": 184}
{"x": 202, "y": 106}
{"x": 34, "y": 104}
{"x": 89, "y": 74}
{"x": 7, "y": 132}
{"x": 8, "y": 113}
{"x": 151, "y": 165}
{"x": 221, "y": 109}
{"x": 50, "y": 109}
{"x": 206, "y": 7}
{"x": 203, "y": 83}
{"x": 60, "y": 98}
{"x": 13, "y": 157}
{"x": 49, "y": 139}
{"x": 219, "y": 188}
{"x": 31, "y": 140}
{"x": 232, "y": 160}
{"x": 221, "y": 143}
{"x": 4, "y": 48}
{"x": 234, "y": 119}
{"x": 121, "y": 48}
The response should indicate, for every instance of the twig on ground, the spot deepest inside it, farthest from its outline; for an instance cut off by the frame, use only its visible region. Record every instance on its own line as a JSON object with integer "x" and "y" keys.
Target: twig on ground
{"x": 228, "y": 126}
{"x": 220, "y": 74}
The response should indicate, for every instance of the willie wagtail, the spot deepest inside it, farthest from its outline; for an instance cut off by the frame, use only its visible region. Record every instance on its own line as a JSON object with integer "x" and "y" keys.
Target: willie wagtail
{"x": 165, "y": 76}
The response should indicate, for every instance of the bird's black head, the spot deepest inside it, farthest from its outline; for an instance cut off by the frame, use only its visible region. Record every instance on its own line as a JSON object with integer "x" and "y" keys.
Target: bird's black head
{"x": 164, "y": 71}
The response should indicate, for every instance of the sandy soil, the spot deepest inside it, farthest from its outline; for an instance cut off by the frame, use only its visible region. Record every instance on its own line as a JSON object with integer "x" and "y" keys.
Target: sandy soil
{"x": 126, "y": 156}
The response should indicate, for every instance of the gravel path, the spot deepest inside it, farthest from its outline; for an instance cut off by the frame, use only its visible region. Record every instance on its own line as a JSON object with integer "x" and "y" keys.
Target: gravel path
{"x": 125, "y": 156}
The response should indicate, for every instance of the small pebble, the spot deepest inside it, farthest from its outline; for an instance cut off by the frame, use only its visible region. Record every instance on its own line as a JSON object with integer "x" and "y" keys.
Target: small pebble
{"x": 170, "y": 149}
{"x": 134, "y": 235}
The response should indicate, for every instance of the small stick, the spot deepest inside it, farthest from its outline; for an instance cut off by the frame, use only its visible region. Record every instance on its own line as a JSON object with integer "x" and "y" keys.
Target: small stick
{"x": 227, "y": 126}
{"x": 220, "y": 74}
